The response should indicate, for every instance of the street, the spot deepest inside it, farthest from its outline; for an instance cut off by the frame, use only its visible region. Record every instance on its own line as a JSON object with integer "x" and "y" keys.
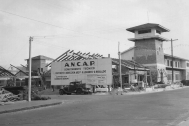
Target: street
{"x": 166, "y": 108}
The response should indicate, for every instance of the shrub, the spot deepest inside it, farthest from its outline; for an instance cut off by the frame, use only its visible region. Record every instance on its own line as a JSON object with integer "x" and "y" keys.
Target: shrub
{"x": 185, "y": 82}
{"x": 160, "y": 82}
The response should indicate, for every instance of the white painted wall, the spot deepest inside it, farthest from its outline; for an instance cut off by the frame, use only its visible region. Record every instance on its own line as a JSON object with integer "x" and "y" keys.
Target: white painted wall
{"x": 128, "y": 55}
{"x": 182, "y": 64}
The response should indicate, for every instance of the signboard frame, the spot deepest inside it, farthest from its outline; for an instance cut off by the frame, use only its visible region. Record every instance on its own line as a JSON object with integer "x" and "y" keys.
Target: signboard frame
{"x": 90, "y": 71}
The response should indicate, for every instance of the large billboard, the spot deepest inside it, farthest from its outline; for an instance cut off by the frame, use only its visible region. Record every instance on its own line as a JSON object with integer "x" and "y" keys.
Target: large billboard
{"x": 92, "y": 71}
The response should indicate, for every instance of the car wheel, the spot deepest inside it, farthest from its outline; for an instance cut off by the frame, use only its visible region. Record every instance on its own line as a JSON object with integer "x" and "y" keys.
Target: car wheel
{"x": 79, "y": 91}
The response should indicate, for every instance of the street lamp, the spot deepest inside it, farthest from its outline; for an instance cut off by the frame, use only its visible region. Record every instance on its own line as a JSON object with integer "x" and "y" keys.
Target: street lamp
{"x": 172, "y": 56}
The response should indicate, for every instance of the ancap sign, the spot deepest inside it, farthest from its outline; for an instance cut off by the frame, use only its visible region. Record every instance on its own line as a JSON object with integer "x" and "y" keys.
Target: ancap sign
{"x": 92, "y": 71}
{"x": 79, "y": 63}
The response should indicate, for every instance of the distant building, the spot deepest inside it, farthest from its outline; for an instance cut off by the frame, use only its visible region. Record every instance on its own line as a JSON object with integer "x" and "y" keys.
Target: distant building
{"x": 39, "y": 63}
{"x": 148, "y": 51}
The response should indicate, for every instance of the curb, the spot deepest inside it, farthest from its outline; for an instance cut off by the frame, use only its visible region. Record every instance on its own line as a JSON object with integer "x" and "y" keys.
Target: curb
{"x": 145, "y": 92}
{"x": 30, "y": 108}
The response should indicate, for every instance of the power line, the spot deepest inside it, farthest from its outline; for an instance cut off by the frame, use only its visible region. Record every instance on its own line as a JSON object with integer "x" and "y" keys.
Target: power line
{"x": 94, "y": 17}
{"x": 56, "y": 46}
{"x": 50, "y": 45}
{"x": 16, "y": 53}
{"x": 53, "y": 25}
{"x": 32, "y": 19}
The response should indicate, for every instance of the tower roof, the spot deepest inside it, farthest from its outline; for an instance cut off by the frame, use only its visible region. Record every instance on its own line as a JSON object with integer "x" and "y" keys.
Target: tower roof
{"x": 40, "y": 57}
{"x": 146, "y": 26}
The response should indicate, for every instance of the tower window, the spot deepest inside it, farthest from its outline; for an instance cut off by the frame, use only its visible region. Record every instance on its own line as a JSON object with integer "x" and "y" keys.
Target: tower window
{"x": 157, "y": 31}
{"x": 144, "y": 31}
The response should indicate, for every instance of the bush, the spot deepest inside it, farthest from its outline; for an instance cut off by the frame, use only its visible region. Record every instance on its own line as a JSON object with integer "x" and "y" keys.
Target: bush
{"x": 34, "y": 94}
{"x": 161, "y": 85}
{"x": 185, "y": 82}
{"x": 160, "y": 82}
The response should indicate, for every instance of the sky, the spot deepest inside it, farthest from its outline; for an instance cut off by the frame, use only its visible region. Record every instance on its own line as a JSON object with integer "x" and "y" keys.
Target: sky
{"x": 94, "y": 26}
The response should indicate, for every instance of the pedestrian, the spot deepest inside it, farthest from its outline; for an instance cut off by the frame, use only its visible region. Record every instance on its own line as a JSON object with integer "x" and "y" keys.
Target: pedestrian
{"x": 142, "y": 85}
{"x": 52, "y": 88}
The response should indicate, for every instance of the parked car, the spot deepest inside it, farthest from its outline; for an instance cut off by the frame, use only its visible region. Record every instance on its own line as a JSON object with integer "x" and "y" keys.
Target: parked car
{"x": 76, "y": 87}
{"x": 101, "y": 88}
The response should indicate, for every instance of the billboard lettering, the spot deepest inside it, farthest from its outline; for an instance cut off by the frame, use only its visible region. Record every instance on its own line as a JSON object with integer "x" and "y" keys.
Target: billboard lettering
{"x": 92, "y": 71}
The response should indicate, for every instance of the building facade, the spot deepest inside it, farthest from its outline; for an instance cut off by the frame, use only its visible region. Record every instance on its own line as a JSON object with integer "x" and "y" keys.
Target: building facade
{"x": 180, "y": 68}
{"x": 148, "y": 51}
{"x": 39, "y": 63}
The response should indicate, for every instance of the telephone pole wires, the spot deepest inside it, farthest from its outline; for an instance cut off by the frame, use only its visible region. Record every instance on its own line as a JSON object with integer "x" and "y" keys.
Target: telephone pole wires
{"x": 172, "y": 58}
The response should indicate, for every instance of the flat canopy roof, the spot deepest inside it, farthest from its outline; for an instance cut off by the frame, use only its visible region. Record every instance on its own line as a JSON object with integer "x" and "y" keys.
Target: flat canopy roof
{"x": 146, "y": 26}
{"x": 176, "y": 57}
{"x": 148, "y": 37}
{"x": 130, "y": 64}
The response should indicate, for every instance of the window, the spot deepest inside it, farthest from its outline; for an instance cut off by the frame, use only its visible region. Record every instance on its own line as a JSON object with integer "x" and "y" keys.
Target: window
{"x": 187, "y": 75}
{"x": 187, "y": 64}
{"x": 41, "y": 69}
{"x": 175, "y": 64}
{"x": 169, "y": 76}
{"x": 144, "y": 31}
{"x": 167, "y": 62}
{"x": 177, "y": 76}
{"x": 157, "y": 31}
{"x": 171, "y": 63}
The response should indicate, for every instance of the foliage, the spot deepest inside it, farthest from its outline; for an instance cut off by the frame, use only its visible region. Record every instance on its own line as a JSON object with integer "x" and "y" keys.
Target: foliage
{"x": 34, "y": 94}
{"x": 154, "y": 76}
{"x": 185, "y": 82}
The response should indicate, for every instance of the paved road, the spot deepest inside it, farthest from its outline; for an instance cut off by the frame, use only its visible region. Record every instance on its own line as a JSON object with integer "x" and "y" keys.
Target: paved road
{"x": 155, "y": 109}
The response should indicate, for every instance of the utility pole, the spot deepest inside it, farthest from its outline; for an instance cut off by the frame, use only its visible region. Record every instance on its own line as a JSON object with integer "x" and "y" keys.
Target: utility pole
{"x": 29, "y": 79}
{"x": 120, "y": 75}
{"x": 134, "y": 68}
{"x": 172, "y": 58}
